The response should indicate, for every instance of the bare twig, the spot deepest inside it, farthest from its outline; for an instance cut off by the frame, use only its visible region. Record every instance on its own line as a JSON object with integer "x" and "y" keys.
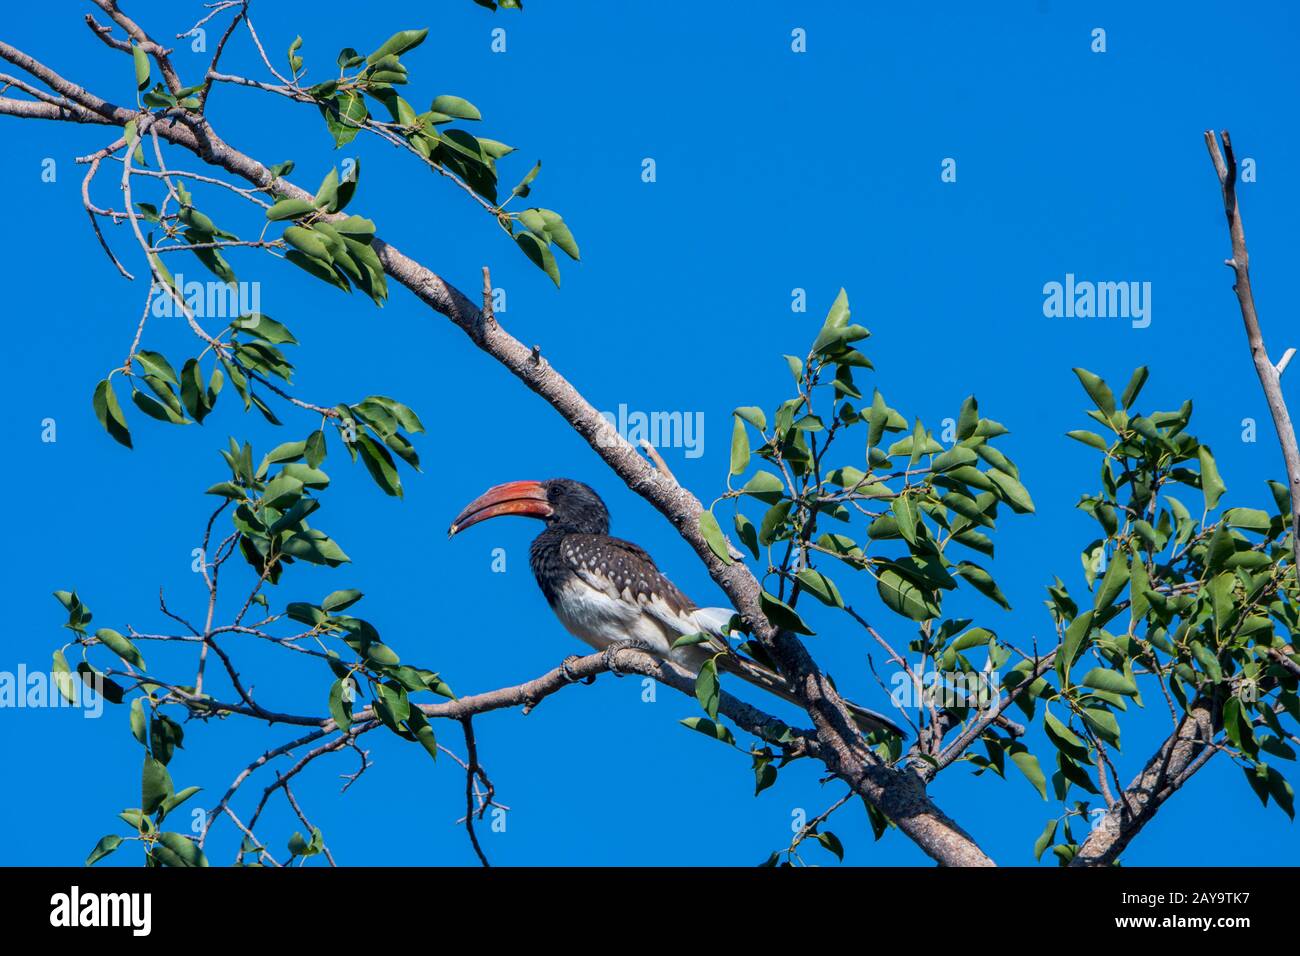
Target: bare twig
{"x": 471, "y": 773}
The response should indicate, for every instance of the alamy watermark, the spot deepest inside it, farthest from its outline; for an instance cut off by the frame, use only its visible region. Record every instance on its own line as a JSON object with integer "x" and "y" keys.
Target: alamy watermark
{"x": 75, "y": 908}
{"x": 661, "y": 429}
{"x": 978, "y": 689}
{"x": 1084, "y": 299}
{"x": 36, "y": 690}
{"x": 208, "y": 299}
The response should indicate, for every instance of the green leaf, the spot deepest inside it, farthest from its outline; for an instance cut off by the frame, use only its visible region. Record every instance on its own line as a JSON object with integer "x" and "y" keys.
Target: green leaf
{"x": 141, "y": 67}
{"x": 185, "y": 849}
{"x": 831, "y": 842}
{"x": 380, "y": 465}
{"x": 764, "y": 486}
{"x": 1134, "y": 386}
{"x": 746, "y": 532}
{"x": 314, "y": 547}
{"x": 455, "y": 107}
{"x": 1098, "y": 391}
{"x": 197, "y": 401}
{"x": 820, "y": 586}
{"x": 1212, "y": 485}
{"x": 287, "y": 451}
{"x": 1064, "y": 738}
{"x": 105, "y": 846}
{"x": 1112, "y": 582}
{"x": 419, "y": 725}
{"x": 137, "y": 820}
{"x": 139, "y": 723}
{"x": 954, "y": 457}
{"x": 707, "y": 691}
{"x": 340, "y": 709}
{"x": 559, "y": 233}
{"x": 155, "y": 363}
{"x": 109, "y": 413}
{"x": 398, "y": 43}
{"x": 710, "y": 729}
{"x": 299, "y": 845}
{"x": 113, "y": 692}
{"x": 295, "y": 61}
{"x": 120, "y": 646}
{"x": 62, "y": 676}
{"x": 1045, "y": 839}
{"x": 690, "y": 640}
{"x": 713, "y": 537}
{"x": 315, "y": 449}
{"x": 156, "y": 409}
{"x": 282, "y": 492}
{"x": 540, "y": 254}
{"x": 290, "y": 209}
{"x": 903, "y": 597}
{"x": 525, "y": 184}
{"x": 1092, "y": 439}
{"x": 1028, "y": 765}
{"x": 176, "y": 799}
{"x": 968, "y": 418}
{"x": 1237, "y": 725}
{"x": 1251, "y": 519}
{"x": 327, "y": 193}
{"x": 773, "y": 526}
{"x": 382, "y": 655}
{"x": 1113, "y": 682}
{"x": 906, "y": 513}
{"x": 1073, "y": 645}
{"x": 975, "y": 637}
{"x": 339, "y": 600}
{"x": 1011, "y": 491}
{"x": 1281, "y": 791}
{"x": 739, "y": 448}
{"x": 983, "y": 582}
{"x": 345, "y": 115}
{"x": 165, "y": 735}
{"x": 156, "y": 784}
{"x": 309, "y": 242}
{"x": 264, "y": 327}
{"x": 1103, "y": 724}
{"x": 782, "y": 615}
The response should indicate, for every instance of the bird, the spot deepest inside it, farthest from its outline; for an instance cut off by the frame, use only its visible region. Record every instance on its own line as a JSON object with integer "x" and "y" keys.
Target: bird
{"x": 608, "y": 592}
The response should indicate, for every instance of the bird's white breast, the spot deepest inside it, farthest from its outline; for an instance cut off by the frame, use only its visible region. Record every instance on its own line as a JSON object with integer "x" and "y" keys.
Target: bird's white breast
{"x": 599, "y": 618}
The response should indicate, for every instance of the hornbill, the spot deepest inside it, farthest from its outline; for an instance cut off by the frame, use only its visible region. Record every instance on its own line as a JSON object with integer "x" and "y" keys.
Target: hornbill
{"x": 607, "y": 591}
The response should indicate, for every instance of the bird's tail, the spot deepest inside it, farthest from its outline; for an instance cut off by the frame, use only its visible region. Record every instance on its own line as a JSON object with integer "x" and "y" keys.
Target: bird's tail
{"x": 717, "y": 620}
{"x": 867, "y": 720}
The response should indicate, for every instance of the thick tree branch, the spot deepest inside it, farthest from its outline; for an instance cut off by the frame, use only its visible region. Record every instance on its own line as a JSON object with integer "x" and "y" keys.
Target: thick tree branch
{"x": 58, "y": 84}
{"x": 68, "y": 112}
{"x": 1179, "y": 757}
{"x": 1270, "y": 375}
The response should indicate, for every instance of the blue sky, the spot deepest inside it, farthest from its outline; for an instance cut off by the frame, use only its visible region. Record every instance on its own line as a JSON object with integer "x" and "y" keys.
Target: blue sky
{"x": 775, "y": 170}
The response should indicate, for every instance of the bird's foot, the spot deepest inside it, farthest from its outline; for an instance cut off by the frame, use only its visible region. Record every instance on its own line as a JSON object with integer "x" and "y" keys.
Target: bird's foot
{"x": 613, "y": 649}
{"x": 566, "y": 666}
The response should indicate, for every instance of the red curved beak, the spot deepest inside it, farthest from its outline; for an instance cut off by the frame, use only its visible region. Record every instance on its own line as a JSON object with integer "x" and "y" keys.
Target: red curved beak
{"x": 527, "y": 498}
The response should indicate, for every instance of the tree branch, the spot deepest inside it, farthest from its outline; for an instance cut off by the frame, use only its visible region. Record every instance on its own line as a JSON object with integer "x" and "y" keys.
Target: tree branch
{"x": 1179, "y": 757}
{"x": 1270, "y": 376}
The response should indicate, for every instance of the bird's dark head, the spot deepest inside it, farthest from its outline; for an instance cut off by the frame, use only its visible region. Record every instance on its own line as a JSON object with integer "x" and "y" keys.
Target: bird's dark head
{"x": 561, "y": 502}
